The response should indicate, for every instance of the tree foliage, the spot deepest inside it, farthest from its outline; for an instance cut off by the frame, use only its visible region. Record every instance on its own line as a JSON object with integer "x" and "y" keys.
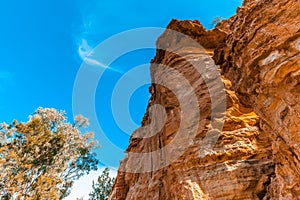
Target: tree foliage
{"x": 215, "y": 21}
{"x": 103, "y": 186}
{"x": 41, "y": 158}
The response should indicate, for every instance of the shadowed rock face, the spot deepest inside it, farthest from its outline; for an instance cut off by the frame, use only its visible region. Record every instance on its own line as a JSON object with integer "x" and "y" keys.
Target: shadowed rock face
{"x": 256, "y": 155}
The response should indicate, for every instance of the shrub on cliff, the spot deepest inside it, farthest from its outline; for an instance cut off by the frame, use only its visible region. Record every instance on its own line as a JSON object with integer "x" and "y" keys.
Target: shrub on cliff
{"x": 215, "y": 21}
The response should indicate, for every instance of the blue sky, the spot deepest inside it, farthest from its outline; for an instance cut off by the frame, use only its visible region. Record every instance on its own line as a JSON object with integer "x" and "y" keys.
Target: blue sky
{"x": 43, "y": 44}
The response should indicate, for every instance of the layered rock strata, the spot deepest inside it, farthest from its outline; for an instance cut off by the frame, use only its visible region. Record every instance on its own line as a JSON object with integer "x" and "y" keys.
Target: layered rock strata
{"x": 256, "y": 154}
{"x": 261, "y": 56}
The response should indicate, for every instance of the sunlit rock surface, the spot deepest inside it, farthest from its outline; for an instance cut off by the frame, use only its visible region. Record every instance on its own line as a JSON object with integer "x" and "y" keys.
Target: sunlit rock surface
{"x": 257, "y": 151}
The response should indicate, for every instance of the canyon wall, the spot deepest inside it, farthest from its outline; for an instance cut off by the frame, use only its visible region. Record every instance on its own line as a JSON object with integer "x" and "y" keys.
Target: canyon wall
{"x": 229, "y": 127}
{"x": 261, "y": 57}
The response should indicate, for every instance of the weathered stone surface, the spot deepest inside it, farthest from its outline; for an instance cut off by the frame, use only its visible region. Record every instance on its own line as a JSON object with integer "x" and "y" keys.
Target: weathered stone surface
{"x": 257, "y": 152}
{"x": 261, "y": 57}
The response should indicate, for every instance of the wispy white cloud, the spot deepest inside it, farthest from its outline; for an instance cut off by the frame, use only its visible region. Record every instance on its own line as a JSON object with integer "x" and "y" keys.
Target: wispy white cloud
{"x": 89, "y": 28}
{"x": 85, "y": 52}
{"x": 84, "y": 49}
{"x": 83, "y": 186}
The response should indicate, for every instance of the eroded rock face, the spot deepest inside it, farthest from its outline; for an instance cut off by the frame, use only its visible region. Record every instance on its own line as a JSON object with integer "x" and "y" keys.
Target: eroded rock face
{"x": 256, "y": 155}
{"x": 261, "y": 57}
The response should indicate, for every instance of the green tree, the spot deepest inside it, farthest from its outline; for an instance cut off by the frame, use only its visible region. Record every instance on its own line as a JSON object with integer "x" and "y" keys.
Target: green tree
{"x": 41, "y": 158}
{"x": 103, "y": 186}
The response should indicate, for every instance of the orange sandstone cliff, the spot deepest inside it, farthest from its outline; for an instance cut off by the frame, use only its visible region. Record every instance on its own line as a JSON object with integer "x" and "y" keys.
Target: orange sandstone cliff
{"x": 233, "y": 134}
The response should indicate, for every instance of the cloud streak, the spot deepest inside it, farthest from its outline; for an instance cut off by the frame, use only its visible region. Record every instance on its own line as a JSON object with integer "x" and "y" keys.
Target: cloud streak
{"x": 85, "y": 52}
